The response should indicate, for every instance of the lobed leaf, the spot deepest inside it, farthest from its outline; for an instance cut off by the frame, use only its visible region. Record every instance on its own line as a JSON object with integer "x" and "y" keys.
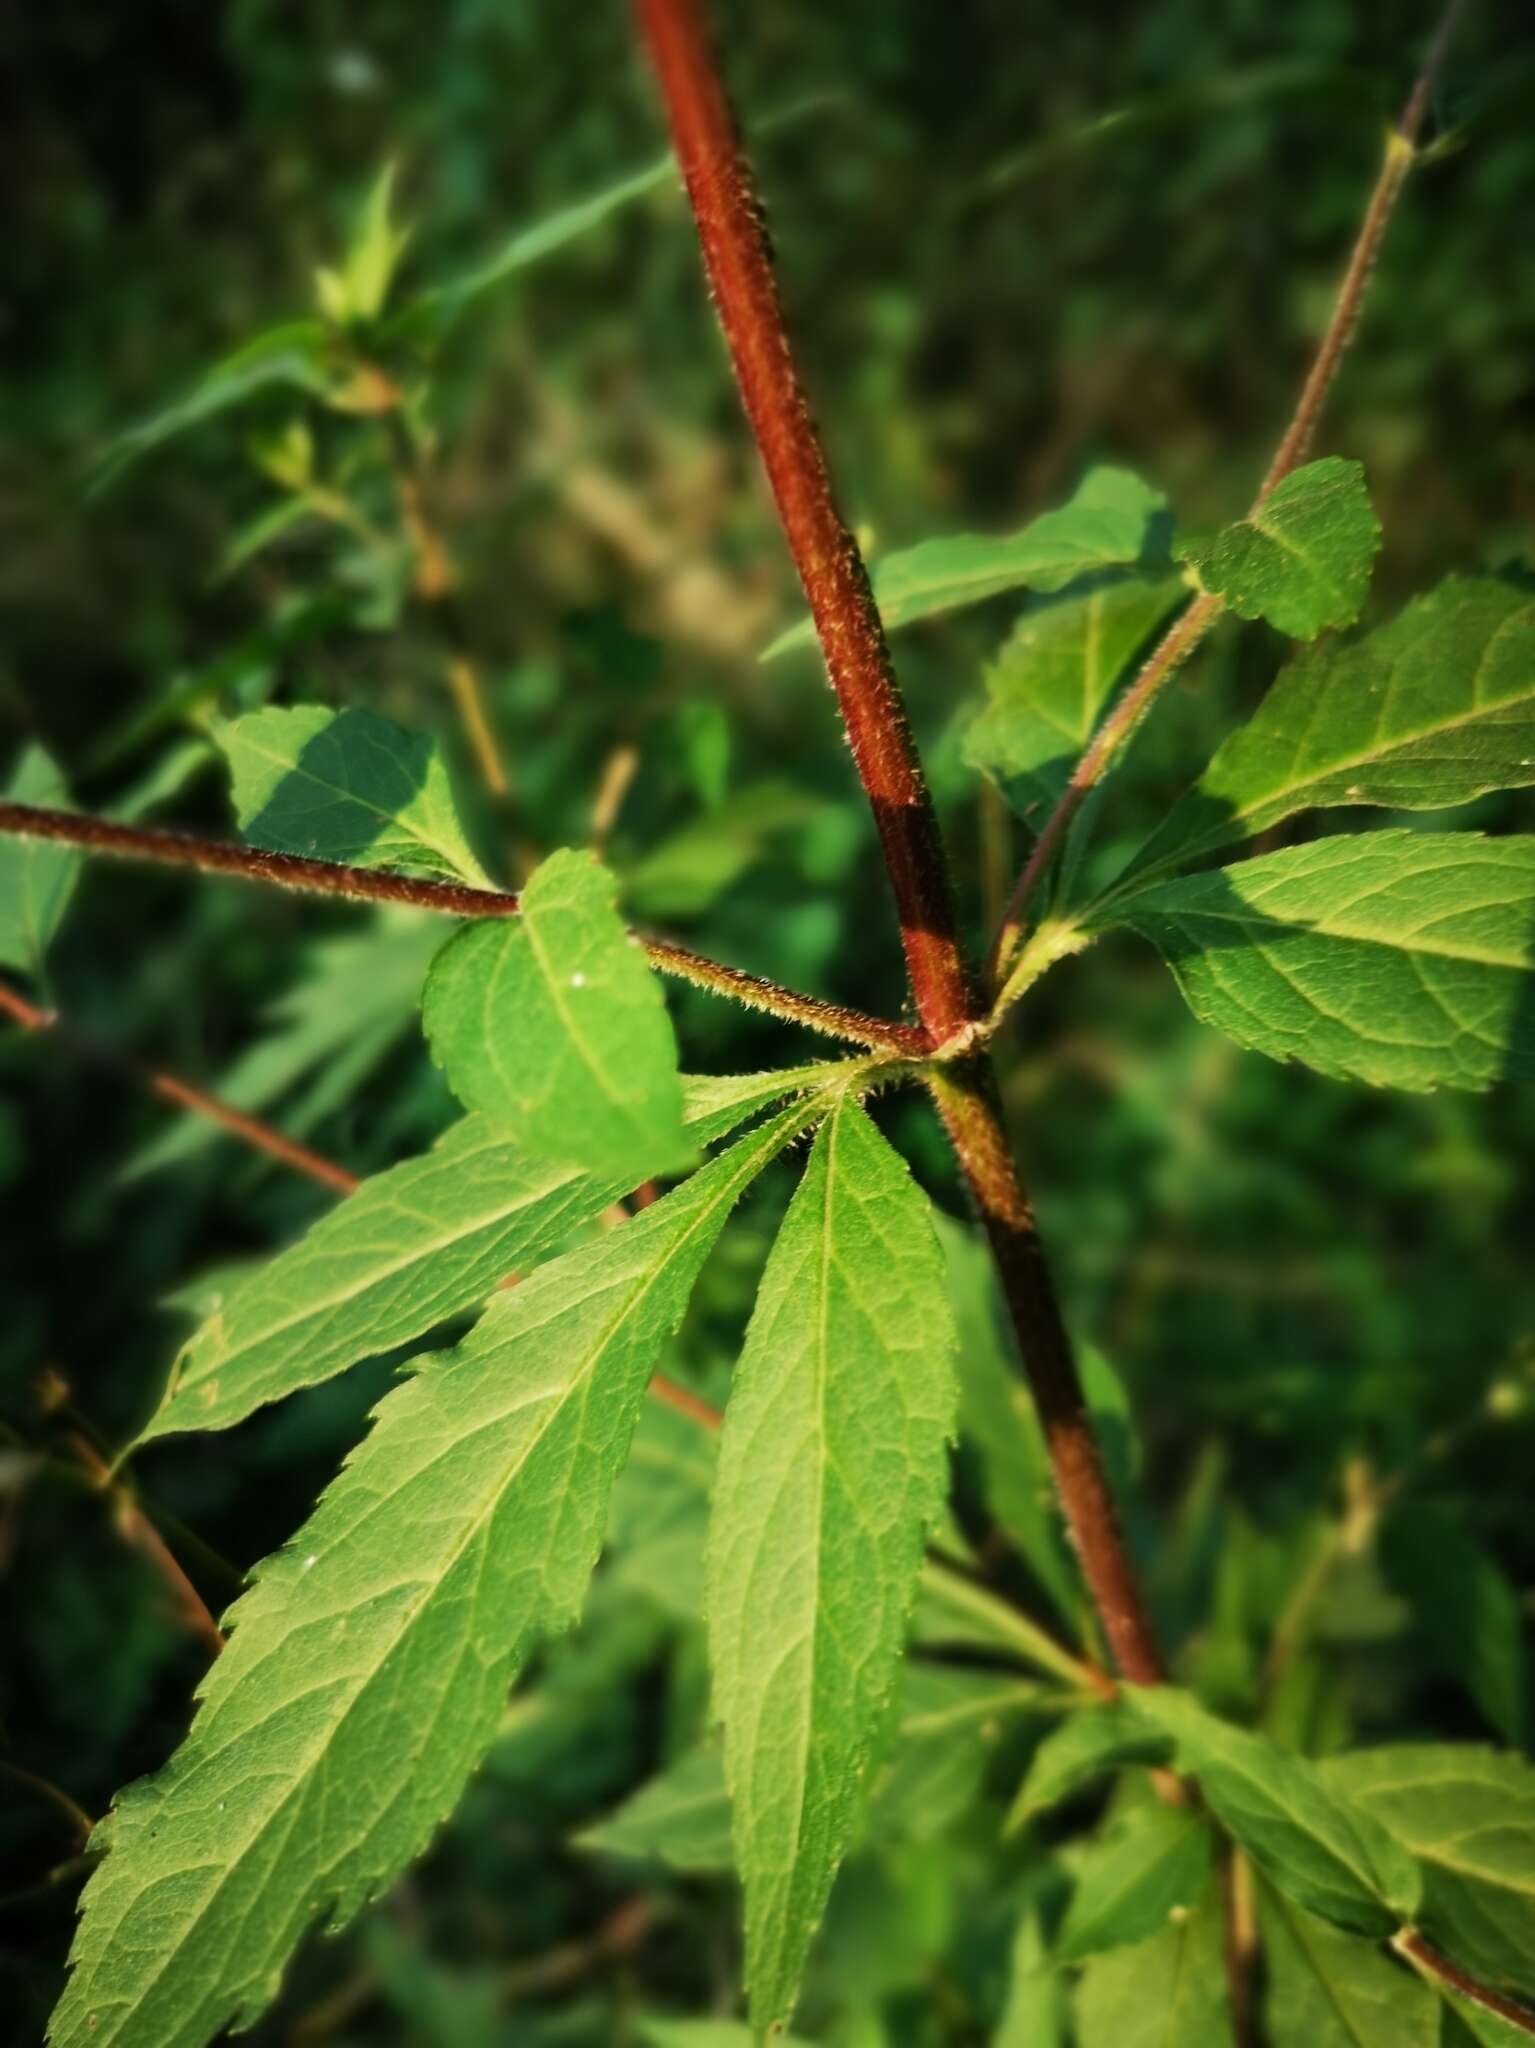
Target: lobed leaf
{"x": 1468, "y": 1816}
{"x": 368, "y": 1665}
{"x": 1053, "y": 676}
{"x": 831, "y": 1464}
{"x": 1303, "y": 559}
{"x": 1331, "y": 1990}
{"x": 1320, "y": 1851}
{"x": 554, "y": 1027}
{"x": 1431, "y": 710}
{"x": 1396, "y": 957}
{"x": 346, "y": 786}
{"x": 1111, "y": 520}
{"x": 412, "y": 1246}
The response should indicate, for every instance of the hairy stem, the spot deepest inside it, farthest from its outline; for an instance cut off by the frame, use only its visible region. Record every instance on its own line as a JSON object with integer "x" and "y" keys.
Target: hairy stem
{"x": 446, "y": 899}
{"x": 831, "y": 569}
{"x": 1188, "y": 630}
{"x": 740, "y": 269}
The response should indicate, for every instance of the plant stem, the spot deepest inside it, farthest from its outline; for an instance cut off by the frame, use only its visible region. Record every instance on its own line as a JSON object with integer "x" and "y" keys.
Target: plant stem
{"x": 446, "y": 899}
{"x": 1189, "y": 629}
{"x": 831, "y": 569}
{"x": 1428, "y": 1959}
{"x": 171, "y": 1088}
{"x": 730, "y": 230}
{"x": 141, "y": 1534}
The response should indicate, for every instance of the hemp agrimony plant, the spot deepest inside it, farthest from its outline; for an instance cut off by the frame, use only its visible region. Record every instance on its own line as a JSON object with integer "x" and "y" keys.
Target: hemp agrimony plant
{"x": 1237, "y": 1890}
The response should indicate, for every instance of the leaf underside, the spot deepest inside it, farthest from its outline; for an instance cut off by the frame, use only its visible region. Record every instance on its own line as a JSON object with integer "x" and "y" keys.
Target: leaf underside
{"x": 832, "y": 1460}
{"x": 363, "y": 1679}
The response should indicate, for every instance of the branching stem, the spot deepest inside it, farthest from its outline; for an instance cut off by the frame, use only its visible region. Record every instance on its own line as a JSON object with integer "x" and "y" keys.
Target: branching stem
{"x": 446, "y": 899}
{"x": 736, "y": 257}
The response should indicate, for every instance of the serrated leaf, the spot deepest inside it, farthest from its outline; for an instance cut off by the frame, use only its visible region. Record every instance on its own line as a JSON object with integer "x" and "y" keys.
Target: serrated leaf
{"x": 346, "y": 786}
{"x": 1303, "y": 559}
{"x": 1053, "y": 676}
{"x": 1332, "y": 1990}
{"x": 412, "y": 1246}
{"x": 37, "y": 879}
{"x": 1034, "y": 2015}
{"x": 368, "y": 1665}
{"x": 1168, "y": 1992}
{"x": 1148, "y": 1867}
{"x": 1086, "y": 1747}
{"x": 1468, "y": 1816}
{"x": 1111, "y": 520}
{"x": 553, "y": 1026}
{"x": 1431, "y": 710}
{"x": 832, "y": 1461}
{"x": 1400, "y": 958}
{"x": 1323, "y": 1853}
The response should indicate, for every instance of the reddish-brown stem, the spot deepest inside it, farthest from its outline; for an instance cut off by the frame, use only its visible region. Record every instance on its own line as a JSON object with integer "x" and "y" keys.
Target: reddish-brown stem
{"x": 967, "y": 1101}
{"x": 831, "y": 569}
{"x": 141, "y": 1534}
{"x": 1435, "y": 1964}
{"x": 447, "y": 899}
{"x": 171, "y": 1088}
{"x": 1187, "y": 631}
{"x": 836, "y": 584}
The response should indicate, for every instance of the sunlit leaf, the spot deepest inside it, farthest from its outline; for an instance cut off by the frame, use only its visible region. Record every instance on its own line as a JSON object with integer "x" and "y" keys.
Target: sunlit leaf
{"x": 1303, "y": 559}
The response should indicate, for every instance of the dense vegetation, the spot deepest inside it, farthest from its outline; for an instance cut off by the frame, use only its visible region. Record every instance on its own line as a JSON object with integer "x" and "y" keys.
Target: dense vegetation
{"x": 455, "y": 574}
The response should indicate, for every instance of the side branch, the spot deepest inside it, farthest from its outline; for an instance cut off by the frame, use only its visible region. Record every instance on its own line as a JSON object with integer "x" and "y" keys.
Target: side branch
{"x": 446, "y": 899}
{"x": 1187, "y": 631}
{"x": 735, "y": 251}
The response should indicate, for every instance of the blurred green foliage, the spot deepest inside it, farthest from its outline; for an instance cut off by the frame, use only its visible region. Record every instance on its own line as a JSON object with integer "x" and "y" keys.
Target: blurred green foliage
{"x": 1014, "y": 241}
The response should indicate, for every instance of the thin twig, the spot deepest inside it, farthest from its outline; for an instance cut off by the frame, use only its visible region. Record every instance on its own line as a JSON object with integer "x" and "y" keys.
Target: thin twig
{"x": 171, "y": 1088}
{"x": 138, "y": 1531}
{"x": 1188, "y": 631}
{"x": 445, "y": 899}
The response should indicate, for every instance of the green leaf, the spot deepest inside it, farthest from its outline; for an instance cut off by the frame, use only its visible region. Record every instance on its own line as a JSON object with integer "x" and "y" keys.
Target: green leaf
{"x": 1431, "y": 710}
{"x": 1303, "y": 560}
{"x": 1034, "y": 2015}
{"x": 368, "y": 1665}
{"x": 709, "y": 2034}
{"x": 1321, "y": 1852}
{"x": 1111, "y": 520}
{"x": 832, "y": 1462}
{"x": 681, "y": 1819}
{"x": 372, "y": 256}
{"x": 1332, "y": 1990}
{"x": 1051, "y": 679}
{"x": 553, "y": 1026}
{"x": 1150, "y": 1866}
{"x": 1083, "y": 1749}
{"x": 346, "y": 786}
{"x": 37, "y": 879}
{"x": 1396, "y": 957}
{"x": 291, "y": 356}
{"x": 1468, "y": 1616}
{"x": 1168, "y": 1992}
{"x": 411, "y": 1247}
{"x": 1468, "y": 1816}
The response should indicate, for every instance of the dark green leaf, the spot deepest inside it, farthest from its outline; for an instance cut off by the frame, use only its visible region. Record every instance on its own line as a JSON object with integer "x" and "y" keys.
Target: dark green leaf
{"x": 1149, "y": 1868}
